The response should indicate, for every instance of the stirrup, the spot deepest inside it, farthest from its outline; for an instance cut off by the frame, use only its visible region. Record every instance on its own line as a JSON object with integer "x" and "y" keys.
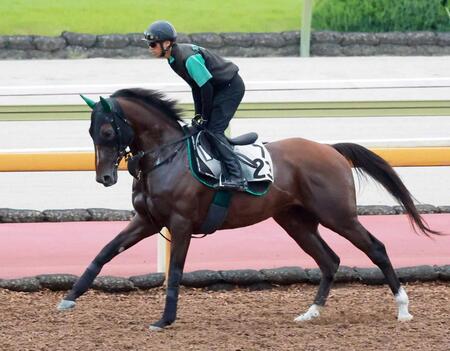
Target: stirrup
{"x": 240, "y": 185}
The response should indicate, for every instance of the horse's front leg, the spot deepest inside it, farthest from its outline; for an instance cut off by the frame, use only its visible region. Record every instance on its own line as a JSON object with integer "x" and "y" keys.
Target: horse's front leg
{"x": 135, "y": 231}
{"x": 178, "y": 251}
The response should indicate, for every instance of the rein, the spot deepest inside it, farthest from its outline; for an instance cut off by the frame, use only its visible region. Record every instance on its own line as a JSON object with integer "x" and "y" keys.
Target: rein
{"x": 133, "y": 161}
{"x": 124, "y": 148}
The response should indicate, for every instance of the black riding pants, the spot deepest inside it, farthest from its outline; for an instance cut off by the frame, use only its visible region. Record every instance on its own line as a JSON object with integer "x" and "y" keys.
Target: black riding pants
{"x": 225, "y": 103}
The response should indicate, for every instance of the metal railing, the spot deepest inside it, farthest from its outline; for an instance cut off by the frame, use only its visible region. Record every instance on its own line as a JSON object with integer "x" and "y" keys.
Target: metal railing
{"x": 83, "y": 160}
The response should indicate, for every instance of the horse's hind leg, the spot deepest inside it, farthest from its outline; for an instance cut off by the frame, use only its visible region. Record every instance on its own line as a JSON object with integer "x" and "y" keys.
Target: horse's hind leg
{"x": 302, "y": 227}
{"x": 359, "y": 236}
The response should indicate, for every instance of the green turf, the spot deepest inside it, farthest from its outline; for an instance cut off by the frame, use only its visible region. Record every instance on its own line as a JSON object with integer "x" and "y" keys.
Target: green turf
{"x": 50, "y": 17}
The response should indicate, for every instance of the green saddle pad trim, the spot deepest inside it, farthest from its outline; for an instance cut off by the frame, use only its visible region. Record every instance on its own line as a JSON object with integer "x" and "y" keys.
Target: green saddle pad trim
{"x": 191, "y": 156}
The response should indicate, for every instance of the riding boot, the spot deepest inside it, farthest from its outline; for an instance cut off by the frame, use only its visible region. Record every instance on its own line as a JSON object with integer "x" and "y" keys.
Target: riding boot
{"x": 232, "y": 177}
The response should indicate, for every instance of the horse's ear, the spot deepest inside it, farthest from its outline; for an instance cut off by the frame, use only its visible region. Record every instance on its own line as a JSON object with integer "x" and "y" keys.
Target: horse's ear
{"x": 89, "y": 102}
{"x": 105, "y": 104}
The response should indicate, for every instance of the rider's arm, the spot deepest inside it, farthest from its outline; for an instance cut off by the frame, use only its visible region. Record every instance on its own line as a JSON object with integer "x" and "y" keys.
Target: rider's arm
{"x": 197, "y": 96}
{"x": 207, "y": 93}
{"x": 203, "y": 99}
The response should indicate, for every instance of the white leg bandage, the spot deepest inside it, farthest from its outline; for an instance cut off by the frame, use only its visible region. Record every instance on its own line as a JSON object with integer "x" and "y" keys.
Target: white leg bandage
{"x": 401, "y": 298}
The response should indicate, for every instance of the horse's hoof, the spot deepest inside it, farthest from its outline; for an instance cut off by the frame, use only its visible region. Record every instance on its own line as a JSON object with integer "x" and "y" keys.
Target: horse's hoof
{"x": 66, "y": 305}
{"x": 405, "y": 317}
{"x": 313, "y": 312}
{"x": 159, "y": 325}
{"x": 305, "y": 318}
{"x": 155, "y": 328}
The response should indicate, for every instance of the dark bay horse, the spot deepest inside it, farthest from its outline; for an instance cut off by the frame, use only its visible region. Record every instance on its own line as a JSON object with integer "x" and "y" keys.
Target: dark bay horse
{"x": 313, "y": 185}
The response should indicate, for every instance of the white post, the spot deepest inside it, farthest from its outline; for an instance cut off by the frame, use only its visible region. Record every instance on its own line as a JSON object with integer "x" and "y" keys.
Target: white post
{"x": 305, "y": 36}
{"x": 163, "y": 252}
{"x": 161, "y": 255}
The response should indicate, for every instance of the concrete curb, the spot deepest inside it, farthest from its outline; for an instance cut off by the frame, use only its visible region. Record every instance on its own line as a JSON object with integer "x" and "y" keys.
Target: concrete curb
{"x": 9, "y": 215}
{"x": 71, "y": 45}
{"x": 230, "y": 279}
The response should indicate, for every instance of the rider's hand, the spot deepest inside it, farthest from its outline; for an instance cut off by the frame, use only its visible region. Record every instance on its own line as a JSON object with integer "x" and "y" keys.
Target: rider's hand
{"x": 198, "y": 121}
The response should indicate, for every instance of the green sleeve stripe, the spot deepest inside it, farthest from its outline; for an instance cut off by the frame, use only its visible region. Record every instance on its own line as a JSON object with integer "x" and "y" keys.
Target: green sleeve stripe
{"x": 196, "y": 68}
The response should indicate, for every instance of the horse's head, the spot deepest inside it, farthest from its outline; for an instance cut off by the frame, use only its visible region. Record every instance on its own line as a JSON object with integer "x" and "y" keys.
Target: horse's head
{"x": 155, "y": 123}
{"x": 111, "y": 134}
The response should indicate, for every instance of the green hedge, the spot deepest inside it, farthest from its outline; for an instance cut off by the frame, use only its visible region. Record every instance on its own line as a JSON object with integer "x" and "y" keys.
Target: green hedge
{"x": 380, "y": 15}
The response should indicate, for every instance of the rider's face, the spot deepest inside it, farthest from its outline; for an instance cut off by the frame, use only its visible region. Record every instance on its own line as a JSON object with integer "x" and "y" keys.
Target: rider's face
{"x": 155, "y": 47}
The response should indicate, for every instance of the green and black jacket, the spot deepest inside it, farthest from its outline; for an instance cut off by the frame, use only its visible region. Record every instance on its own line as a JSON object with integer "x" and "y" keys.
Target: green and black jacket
{"x": 204, "y": 71}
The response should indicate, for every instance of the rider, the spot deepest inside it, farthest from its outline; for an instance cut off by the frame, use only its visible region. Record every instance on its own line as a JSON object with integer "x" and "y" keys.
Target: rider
{"x": 217, "y": 90}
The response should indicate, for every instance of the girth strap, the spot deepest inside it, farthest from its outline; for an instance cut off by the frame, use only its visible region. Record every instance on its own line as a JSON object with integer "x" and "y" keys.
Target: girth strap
{"x": 217, "y": 212}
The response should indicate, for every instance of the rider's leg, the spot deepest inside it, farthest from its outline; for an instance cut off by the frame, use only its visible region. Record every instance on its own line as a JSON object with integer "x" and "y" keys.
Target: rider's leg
{"x": 233, "y": 177}
{"x": 226, "y": 102}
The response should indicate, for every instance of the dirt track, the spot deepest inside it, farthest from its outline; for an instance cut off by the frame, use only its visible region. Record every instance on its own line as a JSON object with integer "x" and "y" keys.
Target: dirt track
{"x": 357, "y": 317}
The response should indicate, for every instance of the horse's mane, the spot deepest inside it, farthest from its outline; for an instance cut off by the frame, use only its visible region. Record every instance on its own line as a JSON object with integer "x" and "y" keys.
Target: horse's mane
{"x": 153, "y": 98}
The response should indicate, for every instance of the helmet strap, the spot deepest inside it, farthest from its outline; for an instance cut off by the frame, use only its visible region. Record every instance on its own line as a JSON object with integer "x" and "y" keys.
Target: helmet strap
{"x": 164, "y": 51}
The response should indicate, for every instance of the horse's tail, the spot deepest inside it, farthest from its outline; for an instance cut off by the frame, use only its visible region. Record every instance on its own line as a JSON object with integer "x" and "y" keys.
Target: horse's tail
{"x": 367, "y": 161}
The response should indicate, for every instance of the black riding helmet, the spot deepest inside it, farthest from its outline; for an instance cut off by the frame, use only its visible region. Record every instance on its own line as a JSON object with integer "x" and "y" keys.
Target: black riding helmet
{"x": 160, "y": 31}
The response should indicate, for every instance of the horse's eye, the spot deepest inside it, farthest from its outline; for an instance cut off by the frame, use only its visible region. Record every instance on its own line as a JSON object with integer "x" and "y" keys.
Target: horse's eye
{"x": 107, "y": 132}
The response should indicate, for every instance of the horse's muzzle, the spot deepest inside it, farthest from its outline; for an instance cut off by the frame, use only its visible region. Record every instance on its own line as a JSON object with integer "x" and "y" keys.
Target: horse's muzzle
{"x": 107, "y": 179}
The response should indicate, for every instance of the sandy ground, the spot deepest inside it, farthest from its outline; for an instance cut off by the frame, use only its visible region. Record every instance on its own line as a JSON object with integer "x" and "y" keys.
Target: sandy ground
{"x": 357, "y": 317}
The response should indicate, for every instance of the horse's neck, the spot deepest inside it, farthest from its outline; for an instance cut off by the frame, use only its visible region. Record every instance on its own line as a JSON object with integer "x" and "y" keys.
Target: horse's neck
{"x": 154, "y": 130}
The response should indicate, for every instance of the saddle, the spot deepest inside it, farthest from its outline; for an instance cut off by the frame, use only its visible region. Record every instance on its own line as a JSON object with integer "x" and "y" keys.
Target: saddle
{"x": 253, "y": 156}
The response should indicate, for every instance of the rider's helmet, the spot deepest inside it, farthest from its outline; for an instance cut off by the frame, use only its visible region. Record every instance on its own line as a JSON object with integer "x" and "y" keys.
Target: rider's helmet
{"x": 160, "y": 31}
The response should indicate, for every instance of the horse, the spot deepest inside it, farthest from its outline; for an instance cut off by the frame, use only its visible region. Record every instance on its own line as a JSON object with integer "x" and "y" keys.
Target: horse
{"x": 313, "y": 184}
